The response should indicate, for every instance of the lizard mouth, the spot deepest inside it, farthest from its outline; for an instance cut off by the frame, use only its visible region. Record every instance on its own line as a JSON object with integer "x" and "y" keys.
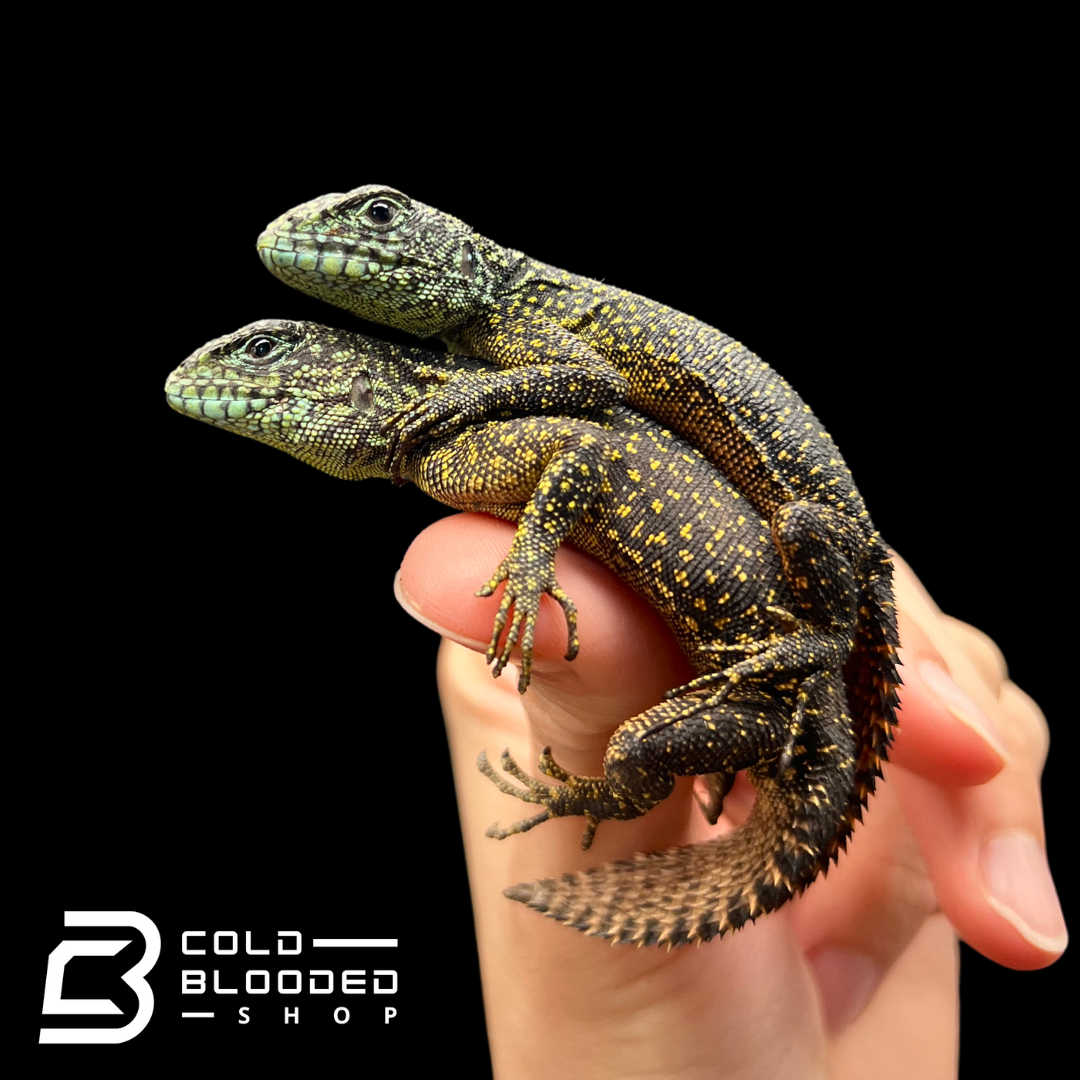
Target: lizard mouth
{"x": 324, "y": 261}
{"x": 217, "y": 399}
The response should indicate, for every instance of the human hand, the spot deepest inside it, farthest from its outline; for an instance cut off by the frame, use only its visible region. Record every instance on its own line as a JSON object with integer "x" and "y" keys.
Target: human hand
{"x": 954, "y": 835}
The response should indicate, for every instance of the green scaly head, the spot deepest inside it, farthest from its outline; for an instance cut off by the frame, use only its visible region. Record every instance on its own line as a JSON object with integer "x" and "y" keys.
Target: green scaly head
{"x": 388, "y": 258}
{"x": 320, "y": 395}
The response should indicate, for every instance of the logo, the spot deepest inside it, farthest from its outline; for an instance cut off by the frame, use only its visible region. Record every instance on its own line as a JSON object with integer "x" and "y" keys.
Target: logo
{"x": 55, "y": 1004}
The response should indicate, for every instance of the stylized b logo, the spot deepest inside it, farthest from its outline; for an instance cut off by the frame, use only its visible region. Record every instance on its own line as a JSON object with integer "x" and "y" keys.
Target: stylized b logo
{"x": 56, "y": 1004}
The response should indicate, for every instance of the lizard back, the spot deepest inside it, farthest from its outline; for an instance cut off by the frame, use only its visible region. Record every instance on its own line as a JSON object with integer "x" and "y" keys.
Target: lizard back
{"x": 392, "y": 259}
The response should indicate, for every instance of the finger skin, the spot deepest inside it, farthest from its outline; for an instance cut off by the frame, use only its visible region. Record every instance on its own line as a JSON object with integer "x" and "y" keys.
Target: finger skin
{"x": 952, "y": 745}
{"x": 919, "y": 1000}
{"x": 954, "y": 829}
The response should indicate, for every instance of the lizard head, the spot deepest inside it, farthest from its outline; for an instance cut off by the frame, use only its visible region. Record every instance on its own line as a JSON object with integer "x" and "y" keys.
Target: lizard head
{"x": 320, "y": 395}
{"x": 385, "y": 257}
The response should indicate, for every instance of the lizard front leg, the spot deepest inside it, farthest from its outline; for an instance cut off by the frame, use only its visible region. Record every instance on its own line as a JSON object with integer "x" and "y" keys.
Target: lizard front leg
{"x": 546, "y": 370}
{"x": 542, "y": 473}
{"x": 517, "y": 333}
{"x": 535, "y": 390}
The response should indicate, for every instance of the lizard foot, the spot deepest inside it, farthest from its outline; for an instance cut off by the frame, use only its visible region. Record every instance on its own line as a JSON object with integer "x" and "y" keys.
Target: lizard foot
{"x": 589, "y": 797}
{"x": 524, "y": 587}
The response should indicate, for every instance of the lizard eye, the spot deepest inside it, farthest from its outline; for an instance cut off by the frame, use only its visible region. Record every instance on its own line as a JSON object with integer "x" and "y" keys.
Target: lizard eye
{"x": 381, "y": 212}
{"x": 260, "y": 348}
{"x": 360, "y": 393}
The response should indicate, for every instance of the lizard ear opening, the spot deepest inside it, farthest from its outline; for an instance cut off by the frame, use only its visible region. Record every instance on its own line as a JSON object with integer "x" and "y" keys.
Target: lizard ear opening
{"x": 466, "y": 268}
{"x": 360, "y": 393}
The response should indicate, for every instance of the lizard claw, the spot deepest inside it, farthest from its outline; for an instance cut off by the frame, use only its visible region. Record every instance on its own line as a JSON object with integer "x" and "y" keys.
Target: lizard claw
{"x": 522, "y": 597}
{"x": 496, "y": 833}
{"x": 549, "y": 767}
{"x": 534, "y": 792}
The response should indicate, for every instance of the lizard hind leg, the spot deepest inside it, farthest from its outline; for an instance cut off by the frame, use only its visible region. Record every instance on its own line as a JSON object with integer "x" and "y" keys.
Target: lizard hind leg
{"x": 690, "y": 736}
{"x": 699, "y": 892}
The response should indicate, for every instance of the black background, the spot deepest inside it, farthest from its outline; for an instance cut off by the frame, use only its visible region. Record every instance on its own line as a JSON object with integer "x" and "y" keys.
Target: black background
{"x": 241, "y": 722}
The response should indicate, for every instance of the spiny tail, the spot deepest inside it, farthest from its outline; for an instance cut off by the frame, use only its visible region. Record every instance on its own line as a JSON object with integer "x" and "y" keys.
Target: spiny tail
{"x": 698, "y": 892}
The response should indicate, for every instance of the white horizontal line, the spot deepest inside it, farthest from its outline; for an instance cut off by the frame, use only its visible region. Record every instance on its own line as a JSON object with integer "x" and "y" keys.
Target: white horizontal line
{"x": 355, "y": 942}
{"x": 196, "y": 1016}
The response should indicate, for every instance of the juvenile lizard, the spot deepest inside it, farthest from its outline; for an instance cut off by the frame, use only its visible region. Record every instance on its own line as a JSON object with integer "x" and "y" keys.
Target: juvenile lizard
{"x": 569, "y": 343}
{"x": 639, "y": 499}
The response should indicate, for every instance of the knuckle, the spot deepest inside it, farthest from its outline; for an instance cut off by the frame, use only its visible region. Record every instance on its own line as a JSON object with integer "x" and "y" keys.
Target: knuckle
{"x": 1029, "y": 726}
{"x": 980, "y": 649}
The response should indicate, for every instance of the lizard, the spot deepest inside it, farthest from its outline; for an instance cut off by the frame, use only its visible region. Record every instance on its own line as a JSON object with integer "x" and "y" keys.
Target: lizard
{"x": 563, "y": 341}
{"x": 646, "y": 504}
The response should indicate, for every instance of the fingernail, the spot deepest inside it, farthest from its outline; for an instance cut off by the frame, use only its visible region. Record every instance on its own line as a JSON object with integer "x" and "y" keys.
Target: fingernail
{"x": 405, "y": 601}
{"x": 846, "y": 981}
{"x": 1020, "y": 889}
{"x": 940, "y": 683}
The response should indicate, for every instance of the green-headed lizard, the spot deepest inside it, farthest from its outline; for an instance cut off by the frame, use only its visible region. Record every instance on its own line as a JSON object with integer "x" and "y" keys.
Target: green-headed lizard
{"x": 735, "y": 589}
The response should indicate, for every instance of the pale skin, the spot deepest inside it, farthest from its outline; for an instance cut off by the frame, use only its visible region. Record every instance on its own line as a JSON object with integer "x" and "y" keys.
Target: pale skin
{"x": 953, "y": 844}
